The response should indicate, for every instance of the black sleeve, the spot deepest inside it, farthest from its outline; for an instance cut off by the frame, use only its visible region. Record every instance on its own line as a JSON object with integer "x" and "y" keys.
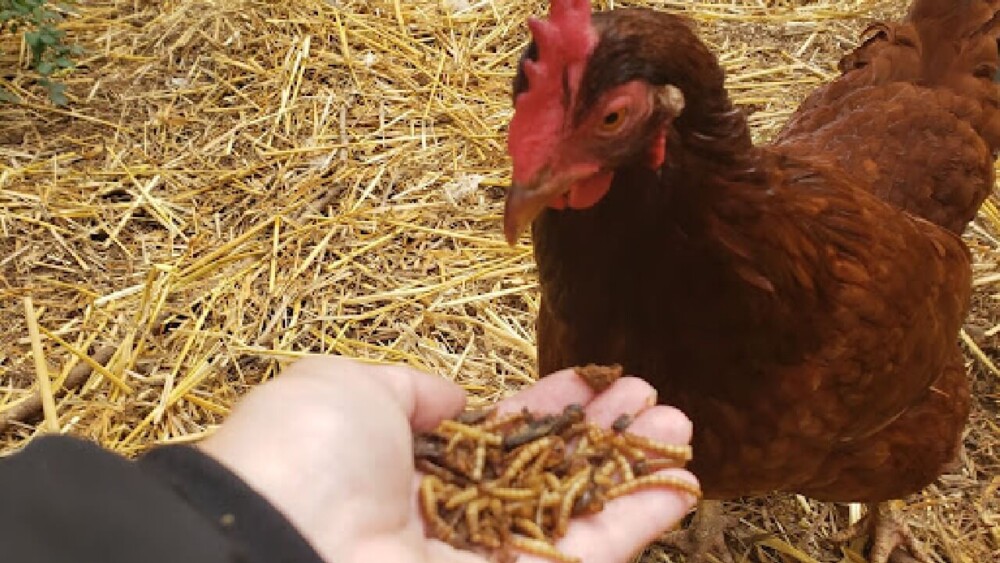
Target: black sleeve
{"x": 65, "y": 500}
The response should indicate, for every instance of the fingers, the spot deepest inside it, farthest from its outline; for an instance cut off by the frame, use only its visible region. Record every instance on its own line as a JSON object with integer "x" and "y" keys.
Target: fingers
{"x": 627, "y": 395}
{"x": 664, "y": 424}
{"x": 549, "y": 395}
{"x": 427, "y": 399}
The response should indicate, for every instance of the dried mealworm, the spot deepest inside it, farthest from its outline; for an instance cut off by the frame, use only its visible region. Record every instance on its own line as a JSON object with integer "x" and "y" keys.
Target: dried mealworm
{"x": 648, "y": 466}
{"x": 488, "y": 538}
{"x": 522, "y": 509}
{"x": 500, "y": 422}
{"x": 513, "y": 483}
{"x": 575, "y": 489}
{"x": 463, "y": 460}
{"x": 428, "y": 503}
{"x": 652, "y": 481}
{"x": 571, "y": 415}
{"x": 539, "y": 463}
{"x": 454, "y": 441}
{"x": 620, "y": 443}
{"x": 550, "y": 499}
{"x": 503, "y": 520}
{"x": 475, "y": 416}
{"x": 606, "y": 470}
{"x": 535, "y": 482}
{"x": 507, "y": 493}
{"x": 462, "y": 497}
{"x": 575, "y": 430}
{"x": 604, "y": 480}
{"x": 576, "y": 466}
{"x": 599, "y": 377}
{"x": 479, "y": 462}
{"x": 546, "y": 426}
{"x": 427, "y": 447}
{"x": 529, "y": 527}
{"x": 597, "y": 435}
{"x": 527, "y": 453}
{"x": 541, "y": 549}
{"x": 442, "y": 473}
{"x": 622, "y": 422}
{"x": 472, "y": 515}
{"x": 624, "y": 466}
{"x": 551, "y": 481}
{"x": 471, "y": 432}
{"x": 527, "y": 435}
{"x": 668, "y": 450}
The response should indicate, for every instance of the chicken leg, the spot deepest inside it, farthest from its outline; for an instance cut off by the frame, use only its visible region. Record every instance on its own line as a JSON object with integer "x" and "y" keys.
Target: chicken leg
{"x": 888, "y": 532}
{"x": 705, "y": 535}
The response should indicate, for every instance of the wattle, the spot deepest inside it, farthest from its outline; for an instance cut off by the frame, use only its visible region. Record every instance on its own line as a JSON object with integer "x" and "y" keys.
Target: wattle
{"x": 586, "y": 193}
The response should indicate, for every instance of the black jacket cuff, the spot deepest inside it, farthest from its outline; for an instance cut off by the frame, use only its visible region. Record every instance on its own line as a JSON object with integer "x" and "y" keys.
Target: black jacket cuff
{"x": 64, "y": 499}
{"x": 222, "y": 497}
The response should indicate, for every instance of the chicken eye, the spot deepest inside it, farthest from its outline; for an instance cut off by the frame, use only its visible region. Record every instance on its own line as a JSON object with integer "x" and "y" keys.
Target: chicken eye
{"x": 614, "y": 119}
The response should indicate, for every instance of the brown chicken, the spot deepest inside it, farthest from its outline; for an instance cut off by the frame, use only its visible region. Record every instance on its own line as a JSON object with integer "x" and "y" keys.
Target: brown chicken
{"x": 800, "y": 301}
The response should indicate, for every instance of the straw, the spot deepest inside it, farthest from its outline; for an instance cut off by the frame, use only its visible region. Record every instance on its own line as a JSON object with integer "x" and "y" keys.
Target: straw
{"x": 238, "y": 184}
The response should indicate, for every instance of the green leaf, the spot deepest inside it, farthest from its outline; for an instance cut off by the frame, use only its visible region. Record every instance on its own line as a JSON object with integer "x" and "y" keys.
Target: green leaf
{"x": 56, "y": 92}
{"x": 49, "y": 36}
{"x": 33, "y": 39}
{"x": 39, "y": 20}
{"x": 8, "y": 97}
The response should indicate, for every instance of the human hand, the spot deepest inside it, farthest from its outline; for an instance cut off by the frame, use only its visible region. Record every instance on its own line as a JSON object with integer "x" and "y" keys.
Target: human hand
{"x": 329, "y": 443}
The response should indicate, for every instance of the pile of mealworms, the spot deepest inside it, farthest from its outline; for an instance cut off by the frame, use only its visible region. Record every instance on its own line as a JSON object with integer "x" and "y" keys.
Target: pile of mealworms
{"x": 506, "y": 484}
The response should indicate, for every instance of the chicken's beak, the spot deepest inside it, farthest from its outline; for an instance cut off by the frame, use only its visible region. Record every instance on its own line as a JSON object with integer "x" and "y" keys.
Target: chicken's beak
{"x": 525, "y": 201}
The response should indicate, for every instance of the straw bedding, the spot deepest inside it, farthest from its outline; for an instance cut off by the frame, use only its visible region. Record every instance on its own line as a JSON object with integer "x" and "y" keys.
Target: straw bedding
{"x": 238, "y": 183}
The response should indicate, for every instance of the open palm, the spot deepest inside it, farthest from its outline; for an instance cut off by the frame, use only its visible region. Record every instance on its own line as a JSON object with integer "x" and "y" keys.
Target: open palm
{"x": 330, "y": 444}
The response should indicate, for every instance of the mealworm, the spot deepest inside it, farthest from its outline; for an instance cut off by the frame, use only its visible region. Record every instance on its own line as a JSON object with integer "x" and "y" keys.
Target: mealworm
{"x": 428, "y": 503}
{"x": 471, "y": 432}
{"x": 529, "y": 527}
{"x": 652, "y": 481}
{"x": 512, "y": 484}
{"x": 526, "y": 454}
{"x": 569, "y": 500}
{"x": 668, "y": 450}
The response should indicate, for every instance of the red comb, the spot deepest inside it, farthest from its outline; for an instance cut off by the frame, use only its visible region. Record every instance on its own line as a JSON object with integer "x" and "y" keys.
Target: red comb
{"x": 564, "y": 42}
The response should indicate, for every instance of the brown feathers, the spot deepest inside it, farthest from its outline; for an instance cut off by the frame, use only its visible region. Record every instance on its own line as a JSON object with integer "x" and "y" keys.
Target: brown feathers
{"x": 801, "y": 301}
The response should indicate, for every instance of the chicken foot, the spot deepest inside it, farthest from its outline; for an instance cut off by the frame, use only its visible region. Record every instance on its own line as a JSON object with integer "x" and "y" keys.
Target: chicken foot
{"x": 705, "y": 535}
{"x": 888, "y": 532}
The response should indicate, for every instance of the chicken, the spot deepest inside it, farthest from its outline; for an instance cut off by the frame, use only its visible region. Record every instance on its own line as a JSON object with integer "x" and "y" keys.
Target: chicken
{"x": 800, "y": 301}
